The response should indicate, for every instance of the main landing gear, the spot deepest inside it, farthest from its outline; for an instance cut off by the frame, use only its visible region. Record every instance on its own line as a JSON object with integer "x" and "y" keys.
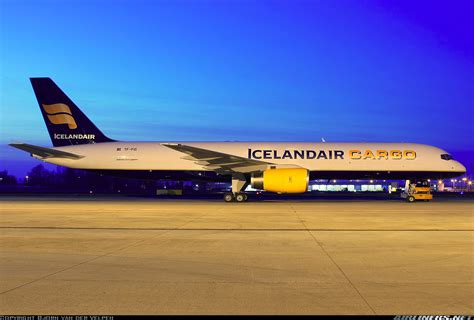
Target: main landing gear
{"x": 239, "y": 197}
{"x": 239, "y": 183}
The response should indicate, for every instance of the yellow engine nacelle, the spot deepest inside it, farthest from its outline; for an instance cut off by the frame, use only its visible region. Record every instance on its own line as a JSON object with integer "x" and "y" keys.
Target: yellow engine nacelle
{"x": 281, "y": 180}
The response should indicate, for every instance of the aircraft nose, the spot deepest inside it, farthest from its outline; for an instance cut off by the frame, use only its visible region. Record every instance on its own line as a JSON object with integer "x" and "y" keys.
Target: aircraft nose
{"x": 459, "y": 167}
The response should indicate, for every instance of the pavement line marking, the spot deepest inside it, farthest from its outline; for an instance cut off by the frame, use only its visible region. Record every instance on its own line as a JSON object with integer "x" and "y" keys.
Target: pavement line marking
{"x": 332, "y": 260}
{"x": 101, "y": 256}
{"x": 235, "y": 229}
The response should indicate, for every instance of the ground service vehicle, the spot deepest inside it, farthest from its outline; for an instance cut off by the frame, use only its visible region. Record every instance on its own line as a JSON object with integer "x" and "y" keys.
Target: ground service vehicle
{"x": 420, "y": 190}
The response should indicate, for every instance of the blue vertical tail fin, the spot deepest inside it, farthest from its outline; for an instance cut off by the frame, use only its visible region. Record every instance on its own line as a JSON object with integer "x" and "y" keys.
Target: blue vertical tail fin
{"x": 66, "y": 123}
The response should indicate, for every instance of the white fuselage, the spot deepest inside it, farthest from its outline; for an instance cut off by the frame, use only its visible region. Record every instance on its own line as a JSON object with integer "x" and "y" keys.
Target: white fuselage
{"x": 335, "y": 157}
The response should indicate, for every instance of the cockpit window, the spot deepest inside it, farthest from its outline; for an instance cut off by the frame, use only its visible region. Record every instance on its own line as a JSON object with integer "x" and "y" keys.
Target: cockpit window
{"x": 446, "y": 156}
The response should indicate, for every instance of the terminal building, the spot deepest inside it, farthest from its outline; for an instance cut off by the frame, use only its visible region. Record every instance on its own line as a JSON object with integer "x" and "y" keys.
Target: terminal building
{"x": 388, "y": 186}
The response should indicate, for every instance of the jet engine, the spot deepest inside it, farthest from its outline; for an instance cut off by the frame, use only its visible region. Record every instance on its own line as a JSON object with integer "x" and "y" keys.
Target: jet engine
{"x": 281, "y": 180}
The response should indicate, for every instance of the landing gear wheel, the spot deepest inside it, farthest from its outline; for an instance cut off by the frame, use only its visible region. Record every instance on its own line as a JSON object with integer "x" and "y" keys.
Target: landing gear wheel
{"x": 411, "y": 199}
{"x": 228, "y": 197}
{"x": 240, "y": 197}
{"x": 246, "y": 197}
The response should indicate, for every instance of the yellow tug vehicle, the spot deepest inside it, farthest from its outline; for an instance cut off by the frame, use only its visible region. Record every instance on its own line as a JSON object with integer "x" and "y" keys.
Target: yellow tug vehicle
{"x": 419, "y": 190}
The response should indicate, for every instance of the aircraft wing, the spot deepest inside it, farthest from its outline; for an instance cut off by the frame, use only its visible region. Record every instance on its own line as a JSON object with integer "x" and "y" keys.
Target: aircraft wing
{"x": 221, "y": 163}
{"x": 44, "y": 153}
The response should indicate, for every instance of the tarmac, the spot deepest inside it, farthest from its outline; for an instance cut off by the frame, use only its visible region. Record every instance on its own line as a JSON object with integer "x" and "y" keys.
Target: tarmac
{"x": 151, "y": 256}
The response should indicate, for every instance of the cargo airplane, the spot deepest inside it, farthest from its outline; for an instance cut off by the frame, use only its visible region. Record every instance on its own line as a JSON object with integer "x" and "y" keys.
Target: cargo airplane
{"x": 281, "y": 167}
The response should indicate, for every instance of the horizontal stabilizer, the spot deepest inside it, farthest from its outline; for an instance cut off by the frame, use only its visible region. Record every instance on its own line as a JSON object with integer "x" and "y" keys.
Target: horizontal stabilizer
{"x": 43, "y": 152}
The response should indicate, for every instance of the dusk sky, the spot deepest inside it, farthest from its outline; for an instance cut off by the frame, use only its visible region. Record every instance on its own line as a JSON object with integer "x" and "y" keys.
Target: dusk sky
{"x": 344, "y": 70}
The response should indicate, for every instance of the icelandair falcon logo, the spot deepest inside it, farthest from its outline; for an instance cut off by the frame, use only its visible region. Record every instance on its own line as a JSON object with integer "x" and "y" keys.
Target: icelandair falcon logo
{"x": 59, "y": 113}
